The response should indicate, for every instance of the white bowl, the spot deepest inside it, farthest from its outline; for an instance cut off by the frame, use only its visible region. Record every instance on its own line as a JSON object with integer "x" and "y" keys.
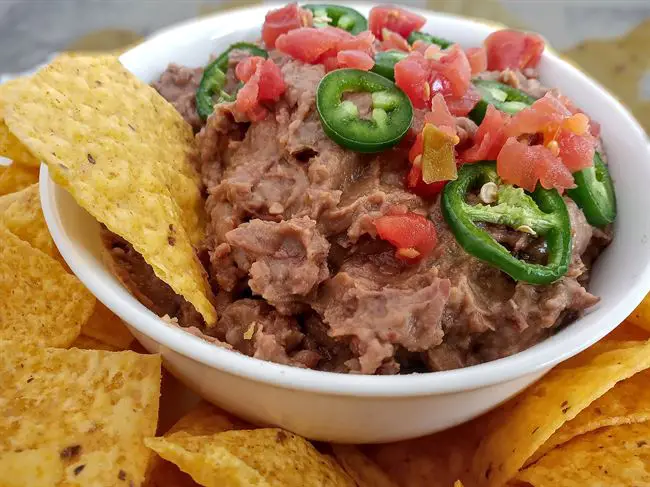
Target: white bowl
{"x": 355, "y": 408}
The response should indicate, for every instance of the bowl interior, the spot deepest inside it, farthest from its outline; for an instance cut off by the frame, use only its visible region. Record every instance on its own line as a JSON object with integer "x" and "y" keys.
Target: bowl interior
{"x": 621, "y": 277}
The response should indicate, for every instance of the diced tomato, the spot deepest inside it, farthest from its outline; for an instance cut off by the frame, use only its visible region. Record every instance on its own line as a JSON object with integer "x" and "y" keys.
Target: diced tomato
{"x": 355, "y": 59}
{"x": 364, "y": 41}
{"x": 412, "y": 76}
{"x": 524, "y": 165}
{"x": 460, "y": 106}
{"x": 395, "y": 19}
{"x": 416, "y": 185}
{"x": 417, "y": 148}
{"x": 440, "y": 116}
{"x": 392, "y": 40}
{"x": 283, "y": 20}
{"x": 477, "y": 57}
{"x": 454, "y": 67}
{"x": 413, "y": 235}
{"x": 536, "y": 118}
{"x": 307, "y": 44}
{"x": 576, "y": 151}
{"x": 330, "y": 63}
{"x": 420, "y": 46}
{"x": 263, "y": 82}
{"x": 513, "y": 49}
{"x": 489, "y": 137}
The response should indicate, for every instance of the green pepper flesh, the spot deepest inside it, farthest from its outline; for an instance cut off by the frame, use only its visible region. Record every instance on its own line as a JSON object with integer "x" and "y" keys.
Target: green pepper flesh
{"x": 422, "y": 36}
{"x": 390, "y": 119}
{"x": 544, "y": 211}
{"x": 385, "y": 62}
{"x": 345, "y": 18}
{"x": 595, "y": 193}
{"x": 504, "y": 98}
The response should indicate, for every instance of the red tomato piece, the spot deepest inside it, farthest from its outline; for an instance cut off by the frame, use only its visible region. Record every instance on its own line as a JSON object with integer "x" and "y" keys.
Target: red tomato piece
{"x": 283, "y": 20}
{"x": 417, "y": 148}
{"x": 440, "y": 116}
{"x": 489, "y": 138}
{"x": 513, "y": 49}
{"x": 524, "y": 165}
{"x": 364, "y": 41}
{"x": 576, "y": 151}
{"x": 416, "y": 185}
{"x": 412, "y": 76}
{"x": 392, "y": 40}
{"x": 355, "y": 59}
{"x": 263, "y": 81}
{"x": 413, "y": 235}
{"x": 454, "y": 67}
{"x": 548, "y": 110}
{"x": 477, "y": 57}
{"x": 307, "y": 44}
{"x": 420, "y": 46}
{"x": 395, "y": 19}
{"x": 460, "y": 106}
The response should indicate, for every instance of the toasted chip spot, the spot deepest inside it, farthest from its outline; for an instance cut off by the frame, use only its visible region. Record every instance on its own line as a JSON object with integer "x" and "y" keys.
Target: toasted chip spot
{"x": 91, "y": 159}
{"x": 70, "y": 452}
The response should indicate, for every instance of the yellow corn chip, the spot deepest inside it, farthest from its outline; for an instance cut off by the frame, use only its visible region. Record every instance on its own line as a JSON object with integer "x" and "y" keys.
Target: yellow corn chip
{"x": 40, "y": 302}
{"x": 265, "y": 457}
{"x": 106, "y": 327}
{"x": 641, "y": 315}
{"x": 166, "y": 474}
{"x": 38, "y": 467}
{"x": 87, "y": 343}
{"x": 519, "y": 428}
{"x": 10, "y": 146}
{"x": 627, "y": 331}
{"x": 16, "y": 177}
{"x": 627, "y": 402}
{"x": 92, "y": 407}
{"x": 118, "y": 147}
{"x": 205, "y": 419}
{"x": 24, "y": 218}
{"x": 364, "y": 471}
{"x": 7, "y": 199}
{"x": 614, "y": 457}
{"x": 458, "y": 483}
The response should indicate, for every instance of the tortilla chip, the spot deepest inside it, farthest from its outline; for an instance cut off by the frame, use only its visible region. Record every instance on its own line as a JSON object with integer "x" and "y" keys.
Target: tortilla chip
{"x": 92, "y": 407}
{"x": 614, "y": 456}
{"x": 628, "y": 331}
{"x": 641, "y": 315}
{"x": 627, "y": 402}
{"x": 87, "y": 343}
{"x": 24, "y": 218}
{"x": 123, "y": 153}
{"x": 519, "y": 428}
{"x": 16, "y": 177}
{"x": 458, "y": 483}
{"x": 364, "y": 471}
{"x": 205, "y": 419}
{"x": 41, "y": 466}
{"x": 263, "y": 457}
{"x": 166, "y": 474}
{"x": 106, "y": 327}
{"x": 41, "y": 302}
{"x": 10, "y": 146}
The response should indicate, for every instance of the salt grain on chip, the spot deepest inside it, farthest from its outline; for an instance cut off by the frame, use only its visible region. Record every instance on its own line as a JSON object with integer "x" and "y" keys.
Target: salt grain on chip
{"x": 124, "y": 153}
{"x": 40, "y": 302}
{"x": 78, "y": 417}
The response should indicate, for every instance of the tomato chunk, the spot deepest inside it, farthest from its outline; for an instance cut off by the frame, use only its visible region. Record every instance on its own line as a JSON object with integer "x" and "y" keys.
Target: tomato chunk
{"x": 263, "y": 82}
{"x": 524, "y": 165}
{"x": 355, "y": 59}
{"x": 548, "y": 110}
{"x": 477, "y": 57}
{"x": 395, "y": 19}
{"x": 513, "y": 49}
{"x": 412, "y": 76}
{"x": 283, "y": 20}
{"x": 576, "y": 151}
{"x": 460, "y": 106}
{"x": 489, "y": 137}
{"x": 416, "y": 185}
{"x": 413, "y": 235}
{"x": 392, "y": 40}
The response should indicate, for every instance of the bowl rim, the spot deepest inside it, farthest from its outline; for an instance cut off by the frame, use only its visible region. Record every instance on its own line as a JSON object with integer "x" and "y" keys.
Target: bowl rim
{"x": 535, "y": 359}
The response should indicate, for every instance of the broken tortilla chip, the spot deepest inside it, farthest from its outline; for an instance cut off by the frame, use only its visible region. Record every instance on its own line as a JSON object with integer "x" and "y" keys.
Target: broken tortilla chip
{"x": 265, "y": 457}
{"x": 41, "y": 302}
{"x": 16, "y": 177}
{"x": 641, "y": 315}
{"x": 205, "y": 419}
{"x": 106, "y": 327}
{"x": 91, "y": 407}
{"x": 363, "y": 471}
{"x": 520, "y": 427}
{"x": 24, "y": 218}
{"x": 124, "y": 154}
{"x": 615, "y": 457}
{"x": 87, "y": 343}
{"x": 627, "y": 402}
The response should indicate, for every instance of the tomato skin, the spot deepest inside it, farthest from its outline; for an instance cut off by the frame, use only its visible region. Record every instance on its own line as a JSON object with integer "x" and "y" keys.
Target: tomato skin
{"x": 513, "y": 49}
{"x": 440, "y": 115}
{"x": 408, "y": 231}
{"x": 524, "y": 165}
{"x": 477, "y": 57}
{"x": 283, "y": 20}
{"x": 456, "y": 70}
{"x": 489, "y": 138}
{"x": 460, "y": 106}
{"x": 416, "y": 185}
{"x": 395, "y": 19}
{"x": 412, "y": 76}
{"x": 577, "y": 151}
{"x": 307, "y": 44}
